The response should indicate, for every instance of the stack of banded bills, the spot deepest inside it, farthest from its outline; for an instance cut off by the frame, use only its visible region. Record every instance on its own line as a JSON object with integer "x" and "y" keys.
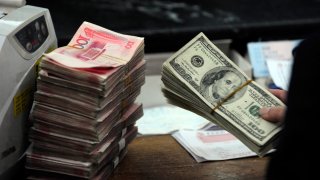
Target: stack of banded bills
{"x": 200, "y": 78}
{"x": 84, "y": 110}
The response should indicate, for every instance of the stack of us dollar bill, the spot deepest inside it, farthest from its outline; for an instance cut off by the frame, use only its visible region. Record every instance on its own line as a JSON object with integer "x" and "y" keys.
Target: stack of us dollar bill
{"x": 200, "y": 78}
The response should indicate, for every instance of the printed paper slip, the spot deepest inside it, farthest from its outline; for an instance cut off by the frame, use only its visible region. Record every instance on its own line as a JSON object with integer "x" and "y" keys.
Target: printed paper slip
{"x": 212, "y": 145}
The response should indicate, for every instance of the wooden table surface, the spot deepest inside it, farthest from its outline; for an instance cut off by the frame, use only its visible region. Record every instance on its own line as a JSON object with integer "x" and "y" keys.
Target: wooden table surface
{"x": 162, "y": 157}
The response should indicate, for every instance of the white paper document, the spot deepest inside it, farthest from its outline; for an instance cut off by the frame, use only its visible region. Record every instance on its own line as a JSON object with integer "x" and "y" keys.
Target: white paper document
{"x": 280, "y": 72}
{"x": 167, "y": 119}
{"x": 259, "y": 52}
{"x": 212, "y": 145}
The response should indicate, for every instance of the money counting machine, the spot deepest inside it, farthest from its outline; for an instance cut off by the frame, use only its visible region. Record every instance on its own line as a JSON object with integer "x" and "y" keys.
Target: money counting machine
{"x": 25, "y": 34}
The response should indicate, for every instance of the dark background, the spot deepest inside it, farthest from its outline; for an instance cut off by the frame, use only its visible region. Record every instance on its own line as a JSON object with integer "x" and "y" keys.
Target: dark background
{"x": 169, "y": 24}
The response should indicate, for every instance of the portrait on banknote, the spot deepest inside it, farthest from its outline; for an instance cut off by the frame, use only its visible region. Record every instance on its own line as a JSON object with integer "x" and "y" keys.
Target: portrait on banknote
{"x": 219, "y": 82}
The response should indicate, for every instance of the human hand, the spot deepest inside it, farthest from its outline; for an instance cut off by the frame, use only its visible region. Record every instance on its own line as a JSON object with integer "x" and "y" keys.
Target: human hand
{"x": 275, "y": 114}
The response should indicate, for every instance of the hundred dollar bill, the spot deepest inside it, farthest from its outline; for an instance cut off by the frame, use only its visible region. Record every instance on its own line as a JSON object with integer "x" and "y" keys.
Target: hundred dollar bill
{"x": 94, "y": 46}
{"x": 200, "y": 78}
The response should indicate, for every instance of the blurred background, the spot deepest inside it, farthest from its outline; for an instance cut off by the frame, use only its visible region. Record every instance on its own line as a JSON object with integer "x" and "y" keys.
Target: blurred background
{"x": 168, "y": 24}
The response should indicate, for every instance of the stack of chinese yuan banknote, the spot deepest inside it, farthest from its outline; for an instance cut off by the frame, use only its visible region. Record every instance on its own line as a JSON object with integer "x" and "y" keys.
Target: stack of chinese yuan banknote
{"x": 200, "y": 78}
{"x": 84, "y": 109}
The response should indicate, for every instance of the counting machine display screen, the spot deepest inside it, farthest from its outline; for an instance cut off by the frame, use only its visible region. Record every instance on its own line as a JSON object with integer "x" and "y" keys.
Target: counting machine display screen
{"x": 32, "y": 36}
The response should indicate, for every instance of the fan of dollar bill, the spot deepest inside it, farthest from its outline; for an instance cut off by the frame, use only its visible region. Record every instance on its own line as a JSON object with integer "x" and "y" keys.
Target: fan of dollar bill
{"x": 201, "y": 79}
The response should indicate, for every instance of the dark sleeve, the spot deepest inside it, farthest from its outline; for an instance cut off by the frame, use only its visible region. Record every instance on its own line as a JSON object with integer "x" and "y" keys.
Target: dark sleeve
{"x": 296, "y": 152}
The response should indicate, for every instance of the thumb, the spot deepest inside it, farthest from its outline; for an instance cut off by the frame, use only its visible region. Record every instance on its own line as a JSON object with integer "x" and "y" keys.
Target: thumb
{"x": 272, "y": 114}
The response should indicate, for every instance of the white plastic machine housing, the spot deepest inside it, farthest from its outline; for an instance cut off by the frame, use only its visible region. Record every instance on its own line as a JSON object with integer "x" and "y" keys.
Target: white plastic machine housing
{"x": 25, "y": 34}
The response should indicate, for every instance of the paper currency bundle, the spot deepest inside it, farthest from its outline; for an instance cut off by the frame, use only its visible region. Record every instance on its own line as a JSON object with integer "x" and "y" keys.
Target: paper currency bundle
{"x": 84, "y": 109}
{"x": 200, "y": 78}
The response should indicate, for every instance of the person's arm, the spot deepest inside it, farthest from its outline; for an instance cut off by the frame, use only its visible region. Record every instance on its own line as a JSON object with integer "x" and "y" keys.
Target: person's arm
{"x": 274, "y": 114}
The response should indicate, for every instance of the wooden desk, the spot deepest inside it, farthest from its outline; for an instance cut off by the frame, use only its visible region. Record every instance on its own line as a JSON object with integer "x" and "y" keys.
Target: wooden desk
{"x": 161, "y": 157}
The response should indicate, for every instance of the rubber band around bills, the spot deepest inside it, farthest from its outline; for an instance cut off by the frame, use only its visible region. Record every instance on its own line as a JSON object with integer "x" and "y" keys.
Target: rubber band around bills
{"x": 230, "y": 95}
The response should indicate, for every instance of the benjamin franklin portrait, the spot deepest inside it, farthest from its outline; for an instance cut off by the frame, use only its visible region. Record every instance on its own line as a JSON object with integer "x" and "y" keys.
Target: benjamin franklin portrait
{"x": 220, "y": 82}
